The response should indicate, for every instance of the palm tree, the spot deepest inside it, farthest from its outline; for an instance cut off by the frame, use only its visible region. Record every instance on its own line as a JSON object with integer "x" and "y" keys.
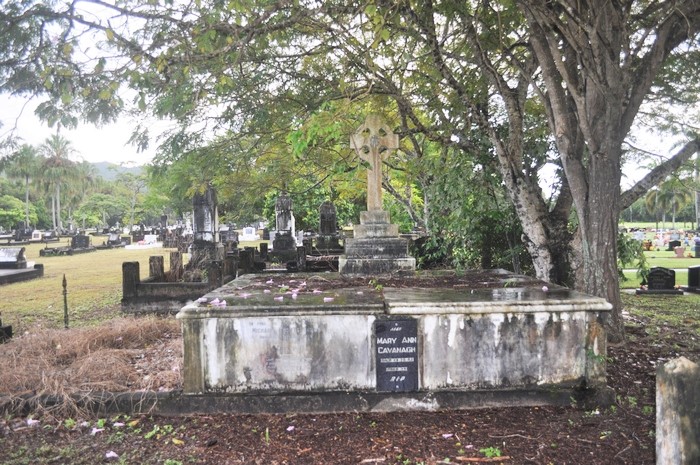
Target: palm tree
{"x": 57, "y": 171}
{"x": 84, "y": 181}
{"x": 24, "y": 164}
{"x": 672, "y": 195}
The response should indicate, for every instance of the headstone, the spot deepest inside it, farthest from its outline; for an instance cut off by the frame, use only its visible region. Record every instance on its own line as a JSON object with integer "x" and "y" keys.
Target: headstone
{"x": 673, "y": 244}
{"x": 284, "y": 245}
{"x": 249, "y": 234}
{"x": 660, "y": 281}
{"x": 205, "y": 240}
{"x": 204, "y": 214}
{"x": 328, "y": 219}
{"x": 376, "y": 247}
{"x": 693, "y": 279}
{"x": 396, "y": 342}
{"x": 327, "y": 241}
{"x": 80, "y": 242}
{"x": 283, "y": 212}
{"x": 12, "y": 258}
{"x": 678, "y": 413}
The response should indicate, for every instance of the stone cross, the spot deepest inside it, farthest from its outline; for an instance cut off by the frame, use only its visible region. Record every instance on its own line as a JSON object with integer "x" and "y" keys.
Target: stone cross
{"x": 373, "y": 143}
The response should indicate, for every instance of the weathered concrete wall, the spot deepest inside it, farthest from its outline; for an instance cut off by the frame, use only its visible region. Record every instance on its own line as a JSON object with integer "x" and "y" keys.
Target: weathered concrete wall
{"x": 509, "y": 350}
{"x": 287, "y": 353}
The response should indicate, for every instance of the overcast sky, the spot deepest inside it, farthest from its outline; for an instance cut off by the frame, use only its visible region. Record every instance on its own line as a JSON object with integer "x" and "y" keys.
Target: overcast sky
{"x": 92, "y": 144}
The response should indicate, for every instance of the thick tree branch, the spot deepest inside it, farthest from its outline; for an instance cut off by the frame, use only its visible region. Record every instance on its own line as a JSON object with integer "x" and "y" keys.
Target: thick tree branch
{"x": 655, "y": 176}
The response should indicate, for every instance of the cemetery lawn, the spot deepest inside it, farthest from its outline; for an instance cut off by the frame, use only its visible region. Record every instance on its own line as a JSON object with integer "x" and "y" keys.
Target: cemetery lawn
{"x": 110, "y": 351}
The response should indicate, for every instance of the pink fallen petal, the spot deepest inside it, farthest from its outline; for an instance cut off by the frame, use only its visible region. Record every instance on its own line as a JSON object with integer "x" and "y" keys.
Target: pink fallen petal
{"x": 32, "y": 422}
{"x": 111, "y": 455}
{"x": 118, "y": 424}
{"x": 279, "y": 297}
{"x": 294, "y": 295}
{"x": 201, "y": 300}
{"x": 545, "y": 288}
{"x": 317, "y": 291}
{"x": 328, "y": 299}
{"x": 96, "y": 430}
{"x": 214, "y": 302}
{"x": 267, "y": 291}
{"x": 269, "y": 282}
{"x": 447, "y": 435}
{"x": 245, "y": 295}
{"x": 290, "y": 428}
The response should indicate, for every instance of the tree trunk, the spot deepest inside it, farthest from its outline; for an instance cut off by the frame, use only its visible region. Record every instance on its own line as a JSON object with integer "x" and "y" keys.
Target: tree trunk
{"x": 26, "y": 202}
{"x": 58, "y": 208}
{"x": 598, "y": 229}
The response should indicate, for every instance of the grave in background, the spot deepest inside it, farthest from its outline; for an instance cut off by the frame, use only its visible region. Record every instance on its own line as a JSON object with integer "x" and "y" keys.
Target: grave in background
{"x": 376, "y": 247}
{"x": 209, "y": 267}
{"x": 661, "y": 281}
{"x": 284, "y": 244}
{"x": 693, "y": 279}
{"x": 14, "y": 266}
{"x": 80, "y": 243}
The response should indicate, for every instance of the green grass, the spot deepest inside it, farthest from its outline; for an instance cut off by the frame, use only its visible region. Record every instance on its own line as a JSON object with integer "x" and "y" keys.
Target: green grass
{"x": 665, "y": 312}
{"x": 94, "y": 285}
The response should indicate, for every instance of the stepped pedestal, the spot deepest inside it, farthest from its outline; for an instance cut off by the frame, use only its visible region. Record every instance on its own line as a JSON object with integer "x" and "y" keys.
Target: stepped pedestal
{"x": 376, "y": 248}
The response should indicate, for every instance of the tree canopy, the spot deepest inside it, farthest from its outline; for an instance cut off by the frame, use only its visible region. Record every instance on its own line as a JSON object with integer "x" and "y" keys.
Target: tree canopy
{"x": 266, "y": 92}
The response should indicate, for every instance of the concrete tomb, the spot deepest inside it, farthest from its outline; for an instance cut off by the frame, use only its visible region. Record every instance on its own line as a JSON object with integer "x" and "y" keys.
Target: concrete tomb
{"x": 275, "y": 342}
{"x": 80, "y": 243}
{"x": 12, "y": 258}
{"x": 376, "y": 247}
{"x": 14, "y": 266}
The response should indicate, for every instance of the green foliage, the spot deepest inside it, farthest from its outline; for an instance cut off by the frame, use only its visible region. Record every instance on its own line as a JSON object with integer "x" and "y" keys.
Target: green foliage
{"x": 11, "y": 211}
{"x": 307, "y": 197}
{"x": 630, "y": 253}
{"x": 491, "y": 452}
{"x": 472, "y": 224}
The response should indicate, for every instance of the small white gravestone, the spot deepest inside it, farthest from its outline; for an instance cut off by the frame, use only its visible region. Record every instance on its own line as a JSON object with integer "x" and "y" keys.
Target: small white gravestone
{"x": 249, "y": 234}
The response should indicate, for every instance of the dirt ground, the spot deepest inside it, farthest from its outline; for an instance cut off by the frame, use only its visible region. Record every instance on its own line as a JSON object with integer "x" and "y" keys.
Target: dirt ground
{"x": 620, "y": 434}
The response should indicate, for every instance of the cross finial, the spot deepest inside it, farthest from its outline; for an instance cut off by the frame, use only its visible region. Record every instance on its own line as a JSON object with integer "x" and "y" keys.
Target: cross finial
{"x": 373, "y": 143}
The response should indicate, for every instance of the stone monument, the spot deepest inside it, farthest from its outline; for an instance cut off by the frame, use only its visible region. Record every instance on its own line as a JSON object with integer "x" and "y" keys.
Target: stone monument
{"x": 284, "y": 244}
{"x": 205, "y": 243}
{"x": 376, "y": 247}
{"x": 327, "y": 241}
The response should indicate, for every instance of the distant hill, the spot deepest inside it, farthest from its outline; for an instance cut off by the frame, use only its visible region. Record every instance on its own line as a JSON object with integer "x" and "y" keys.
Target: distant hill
{"x": 109, "y": 171}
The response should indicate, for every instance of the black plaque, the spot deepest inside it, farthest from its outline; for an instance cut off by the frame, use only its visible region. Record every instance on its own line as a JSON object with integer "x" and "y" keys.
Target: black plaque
{"x": 661, "y": 278}
{"x": 396, "y": 342}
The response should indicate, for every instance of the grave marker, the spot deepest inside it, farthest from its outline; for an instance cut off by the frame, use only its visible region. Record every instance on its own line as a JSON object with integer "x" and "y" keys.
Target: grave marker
{"x": 396, "y": 354}
{"x": 661, "y": 281}
{"x": 374, "y": 142}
